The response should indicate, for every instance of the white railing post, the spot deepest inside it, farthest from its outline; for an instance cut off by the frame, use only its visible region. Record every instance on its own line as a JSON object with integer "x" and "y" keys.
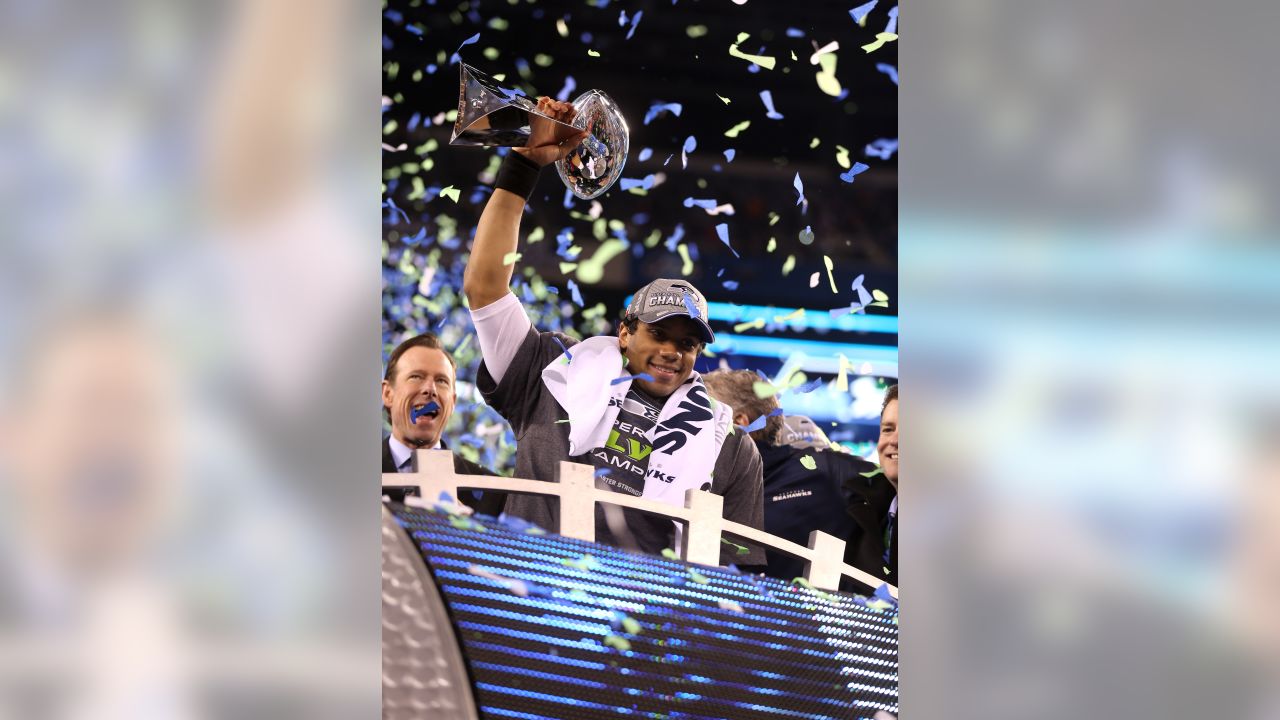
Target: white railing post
{"x": 577, "y": 492}
{"x": 823, "y": 570}
{"x": 700, "y": 542}
{"x": 437, "y": 465}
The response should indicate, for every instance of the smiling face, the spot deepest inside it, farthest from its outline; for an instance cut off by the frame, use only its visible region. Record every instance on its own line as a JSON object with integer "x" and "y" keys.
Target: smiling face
{"x": 423, "y": 375}
{"x": 887, "y": 447}
{"x": 665, "y": 349}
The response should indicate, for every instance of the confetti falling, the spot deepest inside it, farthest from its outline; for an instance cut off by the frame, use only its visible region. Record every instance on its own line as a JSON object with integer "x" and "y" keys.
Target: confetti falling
{"x": 767, "y": 98}
{"x": 765, "y": 61}
{"x": 425, "y": 243}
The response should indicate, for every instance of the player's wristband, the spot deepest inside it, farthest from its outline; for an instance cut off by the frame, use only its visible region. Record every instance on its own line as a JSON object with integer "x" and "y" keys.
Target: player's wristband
{"x": 518, "y": 175}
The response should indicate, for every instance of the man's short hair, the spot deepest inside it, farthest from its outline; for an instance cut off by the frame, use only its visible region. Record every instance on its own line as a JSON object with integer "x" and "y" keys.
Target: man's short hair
{"x": 737, "y": 388}
{"x": 426, "y": 340}
{"x": 890, "y": 395}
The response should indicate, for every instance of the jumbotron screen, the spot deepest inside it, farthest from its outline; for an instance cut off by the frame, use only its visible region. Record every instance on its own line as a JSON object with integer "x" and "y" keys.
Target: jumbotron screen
{"x": 552, "y": 627}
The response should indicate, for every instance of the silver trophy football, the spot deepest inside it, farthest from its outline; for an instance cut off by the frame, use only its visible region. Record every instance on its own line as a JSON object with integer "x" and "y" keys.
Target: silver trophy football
{"x": 491, "y": 115}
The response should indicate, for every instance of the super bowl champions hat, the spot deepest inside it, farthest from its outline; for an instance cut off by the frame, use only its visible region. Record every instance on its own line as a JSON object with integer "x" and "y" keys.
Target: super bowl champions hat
{"x": 664, "y": 298}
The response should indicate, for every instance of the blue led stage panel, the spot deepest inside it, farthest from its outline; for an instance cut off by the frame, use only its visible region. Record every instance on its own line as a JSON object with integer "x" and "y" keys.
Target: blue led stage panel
{"x": 557, "y": 628}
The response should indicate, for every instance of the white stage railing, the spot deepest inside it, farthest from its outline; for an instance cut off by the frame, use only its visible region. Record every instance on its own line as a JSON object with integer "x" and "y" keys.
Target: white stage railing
{"x": 703, "y": 513}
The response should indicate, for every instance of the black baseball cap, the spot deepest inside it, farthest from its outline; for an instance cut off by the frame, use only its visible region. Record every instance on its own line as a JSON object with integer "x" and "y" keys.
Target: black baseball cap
{"x": 665, "y": 298}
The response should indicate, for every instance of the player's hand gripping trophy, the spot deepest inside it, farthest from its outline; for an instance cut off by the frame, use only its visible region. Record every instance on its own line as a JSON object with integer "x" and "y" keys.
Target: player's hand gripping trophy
{"x": 588, "y": 140}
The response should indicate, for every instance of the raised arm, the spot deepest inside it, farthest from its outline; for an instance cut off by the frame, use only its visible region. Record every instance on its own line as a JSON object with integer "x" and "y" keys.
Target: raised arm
{"x": 487, "y": 278}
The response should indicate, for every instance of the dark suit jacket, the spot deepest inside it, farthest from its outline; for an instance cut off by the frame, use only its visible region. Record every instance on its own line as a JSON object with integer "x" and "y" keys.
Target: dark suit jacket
{"x": 488, "y": 503}
{"x": 868, "y": 501}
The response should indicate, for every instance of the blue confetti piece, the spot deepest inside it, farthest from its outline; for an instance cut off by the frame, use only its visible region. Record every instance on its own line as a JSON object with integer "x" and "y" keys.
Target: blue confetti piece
{"x": 601, "y": 472}
{"x": 889, "y": 70}
{"x": 568, "y": 198}
{"x": 391, "y": 204}
{"x": 445, "y": 497}
{"x": 856, "y": 169}
{"x": 628, "y": 183}
{"x": 815, "y": 383}
{"x": 862, "y": 11}
{"x": 645, "y": 154}
{"x": 635, "y": 20}
{"x": 892, "y": 27}
{"x": 705, "y": 204}
{"x": 690, "y": 143}
{"x": 728, "y": 154}
{"x": 426, "y": 409}
{"x": 882, "y": 593}
{"x": 723, "y": 231}
{"x": 767, "y": 98}
{"x": 730, "y": 284}
{"x": 414, "y": 121}
{"x": 691, "y": 306}
{"x": 394, "y": 16}
{"x": 626, "y": 378}
{"x": 568, "y": 355}
{"x": 414, "y": 29}
{"x": 799, "y": 186}
{"x": 676, "y": 236}
{"x": 883, "y": 148}
{"x": 456, "y": 57}
{"x": 775, "y": 412}
{"x": 569, "y": 85}
{"x": 757, "y": 424}
{"x": 795, "y": 33}
{"x": 575, "y": 293}
{"x": 654, "y": 111}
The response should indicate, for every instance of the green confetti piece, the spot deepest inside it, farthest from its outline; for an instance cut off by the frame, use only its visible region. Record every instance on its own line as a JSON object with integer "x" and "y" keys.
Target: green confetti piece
{"x": 631, "y": 626}
{"x": 696, "y": 31}
{"x": 797, "y": 314}
{"x": 774, "y": 218}
{"x": 687, "y": 267}
{"x": 773, "y": 245}
{"x": 535, "y": 236}
{"x": 580, "y": 595}
{"x": 567, "y": 267}
{"x": 597, "y": 310}
{"x": 584, "y": 563}
{"x": 872, "y": 473}
{"x": 562, "y": 421}
{"x": 654, "y": 238}
{"x": 757, "y": 323}
{"x": 698, "y": 577}
{"x": 451, "y": 192}
{"x": 809, "y": 463}
{"x": 542, "y": 60}
{"x": 881, "y": 299}
{"x": 765, "y": 61}
{"x": 814, "y": 143}
{"x": 764, "y": 389}
{"x": 826, "y": 260}
{"x": 511, "y": 258}
{"x": 499, "y": 24}
{"x": 491, "y": 53}
{"x": 723, "y": 98}
{"x": 789, "y": 265}
{"x": 591, "y": 271}
{"x": 741, "y": 549}
{"x": 881, "y": 39}
{"x": 618, "y": 642}
{"x": 827, "y": 81}
{"x": 736, "y": 129}
{"x": 670, "y": 554}
{"x": 593, "y": 53}
{"x": 842, "y": 157}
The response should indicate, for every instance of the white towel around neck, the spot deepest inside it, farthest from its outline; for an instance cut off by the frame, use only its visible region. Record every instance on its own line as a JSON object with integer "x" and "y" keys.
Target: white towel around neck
{"x": 582, "y": 388}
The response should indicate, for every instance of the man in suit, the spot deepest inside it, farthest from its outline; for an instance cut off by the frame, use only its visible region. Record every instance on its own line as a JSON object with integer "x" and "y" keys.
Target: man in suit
{"x": 420, "y": 374}
{"x": 803, "y": 476}
{"x": 872, "y": 545}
